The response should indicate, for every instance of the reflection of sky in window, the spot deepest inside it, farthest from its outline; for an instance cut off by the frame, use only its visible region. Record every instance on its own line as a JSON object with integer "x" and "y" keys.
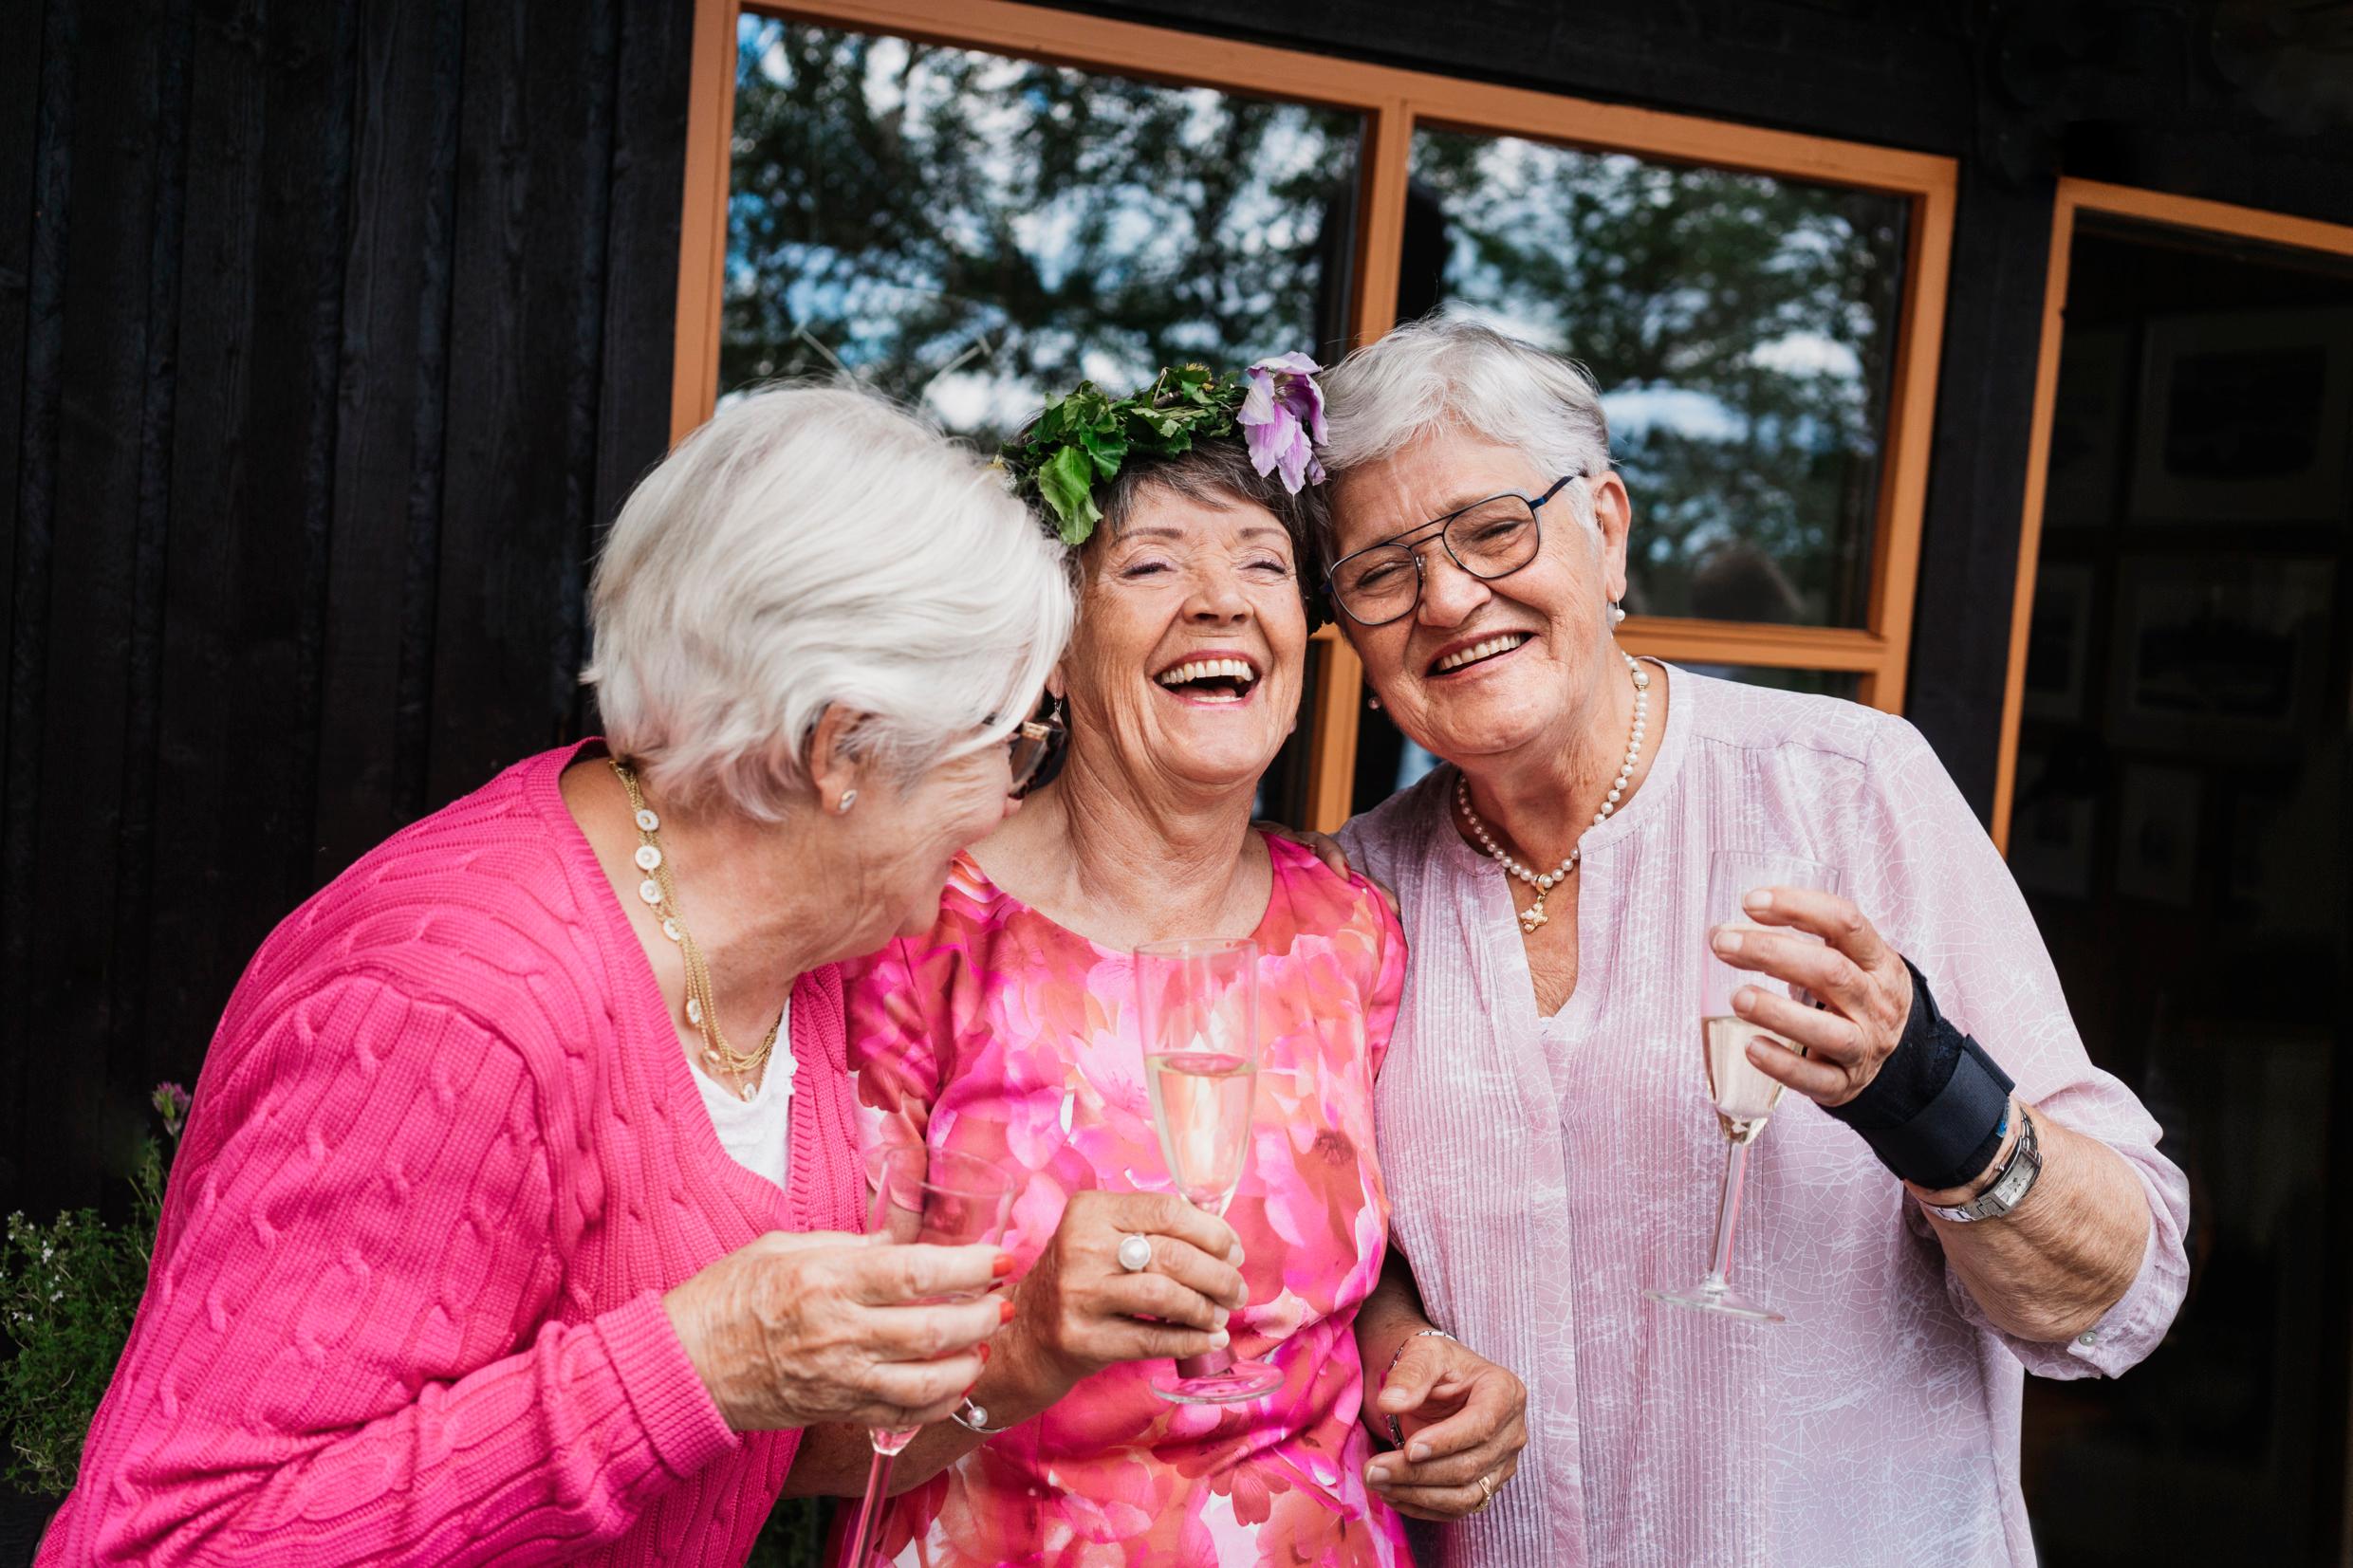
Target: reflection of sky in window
{"x": 1518, "y": 192}
{"x": 1140, "y": 235}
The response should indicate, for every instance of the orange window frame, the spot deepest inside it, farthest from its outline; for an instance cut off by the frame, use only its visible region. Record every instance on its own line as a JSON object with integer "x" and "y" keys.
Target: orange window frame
{"x": 1391, "y": 103}
{"x": 2077, "y": 196}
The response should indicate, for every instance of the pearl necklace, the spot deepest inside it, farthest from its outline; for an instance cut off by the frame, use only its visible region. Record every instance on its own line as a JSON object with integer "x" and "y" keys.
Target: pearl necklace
{"x": 1545, "y": 881}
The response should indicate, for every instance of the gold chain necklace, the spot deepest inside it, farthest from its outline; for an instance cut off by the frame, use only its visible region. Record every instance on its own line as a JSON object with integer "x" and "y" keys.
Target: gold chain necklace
{"x": 662, "y": 895}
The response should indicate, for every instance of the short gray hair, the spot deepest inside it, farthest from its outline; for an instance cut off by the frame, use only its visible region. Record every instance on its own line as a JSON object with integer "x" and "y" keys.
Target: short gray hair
{"x": 1443, "y": 371}
{"x": 815, "y": 545}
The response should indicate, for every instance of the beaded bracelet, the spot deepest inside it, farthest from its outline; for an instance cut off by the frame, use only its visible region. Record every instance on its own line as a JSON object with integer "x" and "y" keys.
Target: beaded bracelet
{"x": 1397, "y": 1432}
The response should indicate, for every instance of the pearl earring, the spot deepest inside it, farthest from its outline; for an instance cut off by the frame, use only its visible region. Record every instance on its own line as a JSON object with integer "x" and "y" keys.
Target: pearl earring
{"x": 849, "y": 799}
{"x": 1373, "y": 703}
{"x": 1617, "y": 612}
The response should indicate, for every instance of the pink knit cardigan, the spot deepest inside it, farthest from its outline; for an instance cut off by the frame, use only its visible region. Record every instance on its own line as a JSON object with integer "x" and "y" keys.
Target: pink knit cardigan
{"x": 406, "y": 1300}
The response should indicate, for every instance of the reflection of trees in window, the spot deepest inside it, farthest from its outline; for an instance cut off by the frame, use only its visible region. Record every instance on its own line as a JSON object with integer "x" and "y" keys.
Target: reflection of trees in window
{"x": 980, "y": 231}
{"x": 1741, "y": 328}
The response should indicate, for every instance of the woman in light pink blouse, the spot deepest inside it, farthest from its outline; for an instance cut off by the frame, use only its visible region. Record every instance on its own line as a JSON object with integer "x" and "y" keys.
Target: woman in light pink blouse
{"x": 1007, "y": 1030}
{"x": 1951, "y": 1196}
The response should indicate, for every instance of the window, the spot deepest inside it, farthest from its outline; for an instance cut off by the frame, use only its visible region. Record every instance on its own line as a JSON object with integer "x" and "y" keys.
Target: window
{"x": 974, "y": 231}
{"x": 972, "y": 207}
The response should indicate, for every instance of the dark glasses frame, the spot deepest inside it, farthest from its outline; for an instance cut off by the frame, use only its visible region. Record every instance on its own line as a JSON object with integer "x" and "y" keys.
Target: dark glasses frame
{"x": 1419, "y": 533}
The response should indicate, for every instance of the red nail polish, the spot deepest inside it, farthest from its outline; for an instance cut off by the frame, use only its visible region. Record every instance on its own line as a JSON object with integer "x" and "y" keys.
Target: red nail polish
{"x": 1002, "y": 1266}
{"x": 1005, "y": 1313}
{"x": 983, "y": 1356}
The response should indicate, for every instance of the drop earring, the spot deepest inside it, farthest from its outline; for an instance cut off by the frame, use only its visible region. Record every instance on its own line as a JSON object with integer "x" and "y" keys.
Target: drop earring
{"x": 1373, "y": 703}
{"x": 1617, "y": 612}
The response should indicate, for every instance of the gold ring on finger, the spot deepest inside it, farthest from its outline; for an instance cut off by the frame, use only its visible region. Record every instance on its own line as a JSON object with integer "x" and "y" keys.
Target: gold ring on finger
{"x": 1487, "y": 1495}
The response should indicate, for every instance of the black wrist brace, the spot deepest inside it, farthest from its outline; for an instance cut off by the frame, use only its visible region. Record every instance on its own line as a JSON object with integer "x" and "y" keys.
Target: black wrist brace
{"x": 1936, "y": 1112}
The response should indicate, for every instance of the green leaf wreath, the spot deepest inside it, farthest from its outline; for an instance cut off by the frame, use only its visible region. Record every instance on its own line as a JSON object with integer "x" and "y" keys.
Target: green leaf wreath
{"x": 1080, "y": 439}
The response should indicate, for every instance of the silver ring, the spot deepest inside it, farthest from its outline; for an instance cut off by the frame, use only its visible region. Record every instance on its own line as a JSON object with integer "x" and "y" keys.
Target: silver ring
{"x": 1135, "y": 1253}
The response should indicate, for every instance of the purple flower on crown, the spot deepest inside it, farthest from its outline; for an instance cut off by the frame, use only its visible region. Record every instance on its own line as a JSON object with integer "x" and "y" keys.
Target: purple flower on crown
{"x": 1281, "y": 419}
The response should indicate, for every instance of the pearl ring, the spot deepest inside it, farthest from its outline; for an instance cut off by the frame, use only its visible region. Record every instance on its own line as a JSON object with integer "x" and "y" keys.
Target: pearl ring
{"x": 1135, "y": 1253}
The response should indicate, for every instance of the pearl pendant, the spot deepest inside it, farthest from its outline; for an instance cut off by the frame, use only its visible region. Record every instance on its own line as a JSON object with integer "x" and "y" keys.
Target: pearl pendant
{"x": 1533, "y": 916}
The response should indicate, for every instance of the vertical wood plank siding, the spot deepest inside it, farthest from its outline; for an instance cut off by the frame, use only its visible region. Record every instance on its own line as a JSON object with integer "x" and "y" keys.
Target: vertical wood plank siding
{"x": 331, "y": 337}
{"x": 333, "y": 331}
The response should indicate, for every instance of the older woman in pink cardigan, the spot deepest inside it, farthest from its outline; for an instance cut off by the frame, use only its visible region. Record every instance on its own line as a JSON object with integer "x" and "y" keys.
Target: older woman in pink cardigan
{"x": 508, "y": 1224}
{"x": 1951, "y": 1195}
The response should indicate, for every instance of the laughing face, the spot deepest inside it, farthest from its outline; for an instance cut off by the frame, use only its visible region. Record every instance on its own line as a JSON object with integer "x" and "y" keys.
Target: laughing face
{"x": 1191, "y": 642}
{"x": 1485, "y": 669}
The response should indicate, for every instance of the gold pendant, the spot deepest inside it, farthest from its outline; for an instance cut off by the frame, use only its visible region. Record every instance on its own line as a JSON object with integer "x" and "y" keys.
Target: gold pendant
{"x": 1533, "y": 916}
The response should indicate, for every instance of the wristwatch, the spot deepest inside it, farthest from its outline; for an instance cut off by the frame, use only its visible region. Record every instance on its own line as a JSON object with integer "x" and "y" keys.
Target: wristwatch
{"x": 2007, "y": 1189}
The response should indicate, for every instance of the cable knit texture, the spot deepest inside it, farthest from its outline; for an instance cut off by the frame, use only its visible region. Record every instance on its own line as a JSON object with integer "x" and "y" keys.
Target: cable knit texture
{"x": 446, "y": 1154}
{"x": 1544, "y": 1171}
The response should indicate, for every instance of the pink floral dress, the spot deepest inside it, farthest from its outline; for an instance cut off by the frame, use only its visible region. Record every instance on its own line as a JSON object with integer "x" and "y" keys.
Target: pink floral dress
{"x": 1003, "y": 1034}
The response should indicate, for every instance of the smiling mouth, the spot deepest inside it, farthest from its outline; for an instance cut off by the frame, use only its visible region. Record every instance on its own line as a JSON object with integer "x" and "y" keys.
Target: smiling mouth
{"x": 1210, "y": 679}
{"x": 1478, "y": 652}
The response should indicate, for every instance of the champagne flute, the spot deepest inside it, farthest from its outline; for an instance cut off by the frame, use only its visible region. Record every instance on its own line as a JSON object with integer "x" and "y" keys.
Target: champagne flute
{"x": 1197, "y": 1011}
{"x": 1742, "y": 1095}
{"x": 944, "y": 1198}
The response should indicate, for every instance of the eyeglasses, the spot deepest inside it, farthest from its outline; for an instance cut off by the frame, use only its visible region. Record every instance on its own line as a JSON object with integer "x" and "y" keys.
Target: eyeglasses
{"x": 1035, "y": 750}
{"x": 1489, "y": 539}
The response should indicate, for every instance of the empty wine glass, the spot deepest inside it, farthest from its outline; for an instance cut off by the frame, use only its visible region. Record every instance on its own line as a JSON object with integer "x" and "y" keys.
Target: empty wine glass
{"x": 1742, "y": 1095}
{"x": 1197, "y": 1011}
{"x": 946, "y": 1199}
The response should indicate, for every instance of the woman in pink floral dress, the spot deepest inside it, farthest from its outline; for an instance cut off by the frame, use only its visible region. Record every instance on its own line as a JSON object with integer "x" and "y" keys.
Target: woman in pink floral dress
{"x": 1007, "y": 1031}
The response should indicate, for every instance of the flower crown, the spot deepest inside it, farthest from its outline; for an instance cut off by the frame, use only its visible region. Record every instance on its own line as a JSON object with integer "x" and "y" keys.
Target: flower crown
{"x": 1078, "y": 444}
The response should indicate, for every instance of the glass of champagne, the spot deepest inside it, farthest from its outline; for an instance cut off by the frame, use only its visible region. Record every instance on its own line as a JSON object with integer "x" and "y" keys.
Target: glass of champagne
{"x": 1742, "y": 1094}
{"x": 942, "y": 1198}
{"x": 1197, "y": 1011}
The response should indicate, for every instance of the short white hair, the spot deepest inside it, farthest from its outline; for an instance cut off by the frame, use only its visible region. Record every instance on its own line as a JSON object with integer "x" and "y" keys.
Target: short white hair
{"x": 1448, "y": 371}
{"x": 814, "y": 547}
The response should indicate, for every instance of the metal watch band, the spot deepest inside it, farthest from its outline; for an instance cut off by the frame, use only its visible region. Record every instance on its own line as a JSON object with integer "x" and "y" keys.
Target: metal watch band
{"x": 2007, "y": 1189}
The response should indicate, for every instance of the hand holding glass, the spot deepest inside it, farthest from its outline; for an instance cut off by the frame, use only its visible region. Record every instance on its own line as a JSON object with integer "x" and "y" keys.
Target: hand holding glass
{"x": 947, "y": 1199}
{"x": 1197, "y": 1010}
{"x": 1741, "y": 1092}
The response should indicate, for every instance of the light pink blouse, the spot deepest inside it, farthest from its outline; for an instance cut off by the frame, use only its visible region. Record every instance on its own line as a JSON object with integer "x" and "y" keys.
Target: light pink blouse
{"x": 1542, "y": 1172}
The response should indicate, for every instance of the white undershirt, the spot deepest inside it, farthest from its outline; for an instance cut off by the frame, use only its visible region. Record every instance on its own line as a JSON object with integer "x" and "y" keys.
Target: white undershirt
{"x": 757, "y": 1132}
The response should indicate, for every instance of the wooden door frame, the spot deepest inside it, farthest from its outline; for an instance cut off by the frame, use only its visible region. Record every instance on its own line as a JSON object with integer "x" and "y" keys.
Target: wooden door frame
{"x": 2075, "y": 198}
{"x": 1391, "y": 103}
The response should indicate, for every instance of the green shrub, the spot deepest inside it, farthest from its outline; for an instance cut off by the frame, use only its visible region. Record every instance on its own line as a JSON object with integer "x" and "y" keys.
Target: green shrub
{"x": 67, "y": 1292}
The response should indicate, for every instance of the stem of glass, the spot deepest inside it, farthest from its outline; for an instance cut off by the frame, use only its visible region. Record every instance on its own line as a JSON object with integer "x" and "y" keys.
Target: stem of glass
{"x": 870, "y": 1511}
{"x": 1209, "y": 1363}
{"x": 1727, "y": 1215}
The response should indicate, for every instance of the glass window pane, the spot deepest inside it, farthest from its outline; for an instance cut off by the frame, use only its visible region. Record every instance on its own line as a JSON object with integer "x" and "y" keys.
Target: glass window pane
{"x": 1741, "y": 327}
{"x": 977, "y": 232}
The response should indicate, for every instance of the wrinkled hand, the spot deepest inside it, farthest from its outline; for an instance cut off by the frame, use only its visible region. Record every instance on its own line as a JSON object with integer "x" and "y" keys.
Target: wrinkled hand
{"x": 1079, "y": 1311}
{"x": 1335, "y": 860}
{"x": 1862, "y": 992}
{"x": 1463, "y": 1417}
{"x": 794, "y": 1330}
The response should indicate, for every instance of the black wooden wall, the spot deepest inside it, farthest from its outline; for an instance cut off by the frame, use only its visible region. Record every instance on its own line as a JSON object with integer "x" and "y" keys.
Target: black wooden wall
{"x": 331, "y": 332}
{"x": 330, "y": 335}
